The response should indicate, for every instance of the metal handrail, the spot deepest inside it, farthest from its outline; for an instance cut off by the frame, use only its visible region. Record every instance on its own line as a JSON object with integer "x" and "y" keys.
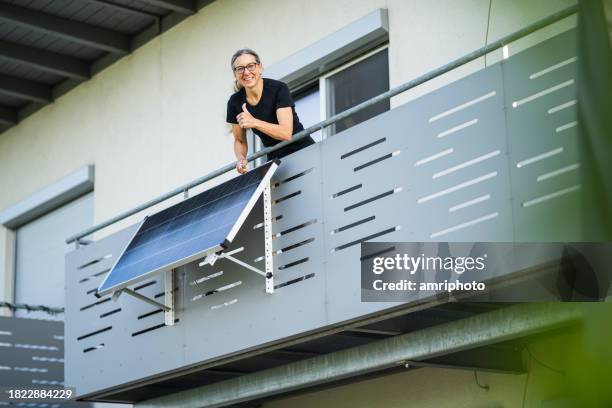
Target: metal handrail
{"x": 307, "y": 132}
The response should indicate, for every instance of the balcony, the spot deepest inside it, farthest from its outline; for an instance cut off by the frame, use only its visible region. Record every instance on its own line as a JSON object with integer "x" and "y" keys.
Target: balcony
{"x": 491, "y": 157}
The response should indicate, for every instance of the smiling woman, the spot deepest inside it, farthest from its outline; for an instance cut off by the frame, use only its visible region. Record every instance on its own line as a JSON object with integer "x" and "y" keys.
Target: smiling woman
{"x": 261, "y": 104}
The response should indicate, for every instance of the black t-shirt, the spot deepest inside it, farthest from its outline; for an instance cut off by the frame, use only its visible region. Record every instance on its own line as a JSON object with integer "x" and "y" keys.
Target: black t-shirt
{"x": 275, "y": 95}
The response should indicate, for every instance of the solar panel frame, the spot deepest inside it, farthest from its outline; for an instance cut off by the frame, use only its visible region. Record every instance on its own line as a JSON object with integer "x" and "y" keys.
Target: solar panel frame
{"x": 250, "y": 204}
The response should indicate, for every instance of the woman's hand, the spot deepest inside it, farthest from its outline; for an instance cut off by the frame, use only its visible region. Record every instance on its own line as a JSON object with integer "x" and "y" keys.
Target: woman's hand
{"x": 240, "y": 148}
{"x": 241, "y": 165}
{"x": 245, "y": 119}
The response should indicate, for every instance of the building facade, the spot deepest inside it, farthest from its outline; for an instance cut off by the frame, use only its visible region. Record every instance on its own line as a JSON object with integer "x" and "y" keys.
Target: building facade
{"x": 155, "y": 119}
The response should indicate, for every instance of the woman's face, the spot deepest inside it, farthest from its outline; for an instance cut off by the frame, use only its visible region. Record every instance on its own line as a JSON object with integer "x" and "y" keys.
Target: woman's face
{"x": 247, "y": 71}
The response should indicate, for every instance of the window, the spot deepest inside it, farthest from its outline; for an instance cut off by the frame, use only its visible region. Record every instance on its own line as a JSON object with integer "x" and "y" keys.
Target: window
{"x": 41, "y": 223}
{"x": 355, "y": 84}
{"x": 338, "y": 90}
{"x": 40, "y": 250}
{"x": 343, "y": 88}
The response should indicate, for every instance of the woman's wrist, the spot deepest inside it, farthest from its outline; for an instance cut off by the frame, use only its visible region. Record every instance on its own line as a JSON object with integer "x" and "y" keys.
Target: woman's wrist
{"x": 257, "y": 123}
{"x": 241, "y": 164}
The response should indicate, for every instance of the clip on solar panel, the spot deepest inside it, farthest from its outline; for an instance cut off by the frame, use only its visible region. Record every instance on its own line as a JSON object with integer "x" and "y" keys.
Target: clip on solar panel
{"x": 202, "y": 226}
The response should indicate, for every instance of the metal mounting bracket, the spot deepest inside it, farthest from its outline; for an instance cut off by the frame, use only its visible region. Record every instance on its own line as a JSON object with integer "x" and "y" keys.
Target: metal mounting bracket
{"x": 167, "y": 306}
{"x": 268, "y": 274}
{"x": 267, "y": 209}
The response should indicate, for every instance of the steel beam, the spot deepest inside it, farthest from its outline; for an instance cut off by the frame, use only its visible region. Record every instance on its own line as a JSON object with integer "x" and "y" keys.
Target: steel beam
{"x": 44, "y": 60}
{"x": 179, "y": 6}
{"x": 8, "y": 116}
{"x": 70, "y": 30}
{"x": 123, "y": 8}
{"x": 477, "y": 331}
{"x": 24, "y": 89}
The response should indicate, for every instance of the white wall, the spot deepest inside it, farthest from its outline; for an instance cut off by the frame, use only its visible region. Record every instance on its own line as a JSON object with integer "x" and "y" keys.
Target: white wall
{"x": 418, "y": 388}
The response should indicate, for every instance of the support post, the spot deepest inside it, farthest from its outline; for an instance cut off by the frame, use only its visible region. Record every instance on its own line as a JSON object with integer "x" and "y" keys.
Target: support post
{"x": 169, "y": 297}
{"x": 267, "y": 209}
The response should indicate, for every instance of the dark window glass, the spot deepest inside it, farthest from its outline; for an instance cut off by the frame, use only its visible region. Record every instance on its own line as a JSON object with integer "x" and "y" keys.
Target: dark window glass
{"x": 357, "y": 84}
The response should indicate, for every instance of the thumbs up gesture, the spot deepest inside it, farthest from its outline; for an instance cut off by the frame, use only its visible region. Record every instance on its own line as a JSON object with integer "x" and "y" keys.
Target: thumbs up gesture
{"x": 245, "y": 119}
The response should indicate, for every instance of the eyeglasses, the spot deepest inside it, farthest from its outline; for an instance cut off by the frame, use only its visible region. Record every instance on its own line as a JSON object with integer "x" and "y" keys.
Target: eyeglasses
{"x": 251, "y": 67}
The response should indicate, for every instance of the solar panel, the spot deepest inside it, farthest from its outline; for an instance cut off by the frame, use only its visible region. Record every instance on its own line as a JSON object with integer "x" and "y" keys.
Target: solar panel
{"x": 203, "y": 224}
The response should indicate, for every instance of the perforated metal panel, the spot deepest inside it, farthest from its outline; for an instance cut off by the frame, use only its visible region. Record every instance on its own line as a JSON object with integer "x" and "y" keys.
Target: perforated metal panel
{"x": 31, "y": 352}
{"x": 32, "y": 355}
{"x": 444, "y": 167}
{"x": 541, "y": 104}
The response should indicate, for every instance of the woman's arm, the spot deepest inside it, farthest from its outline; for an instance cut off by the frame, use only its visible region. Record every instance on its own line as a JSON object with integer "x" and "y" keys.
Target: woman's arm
{"x": 282, "y": 131}
{"x": 241, "y": 148}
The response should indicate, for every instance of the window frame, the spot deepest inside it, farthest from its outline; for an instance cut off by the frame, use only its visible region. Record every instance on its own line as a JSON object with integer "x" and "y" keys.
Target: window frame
{"x": 323, "y": 84}
{"x": 49, "y": 198}
{"x": 17, "y": 273}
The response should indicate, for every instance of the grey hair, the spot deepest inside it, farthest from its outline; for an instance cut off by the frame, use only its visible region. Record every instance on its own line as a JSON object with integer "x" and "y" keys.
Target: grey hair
{"x": 242, "y": 51}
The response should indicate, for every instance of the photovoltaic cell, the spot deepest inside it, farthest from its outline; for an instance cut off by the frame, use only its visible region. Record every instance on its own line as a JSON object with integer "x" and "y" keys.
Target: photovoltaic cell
{"x": 200, "y": 225}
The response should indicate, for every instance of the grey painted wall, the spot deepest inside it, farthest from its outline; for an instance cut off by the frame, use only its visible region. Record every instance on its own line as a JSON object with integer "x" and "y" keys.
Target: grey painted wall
{"x": 40, "y": 251}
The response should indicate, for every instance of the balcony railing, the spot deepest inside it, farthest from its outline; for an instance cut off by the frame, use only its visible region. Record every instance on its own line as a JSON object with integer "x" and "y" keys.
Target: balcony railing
{"x": 491, "y": 157}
